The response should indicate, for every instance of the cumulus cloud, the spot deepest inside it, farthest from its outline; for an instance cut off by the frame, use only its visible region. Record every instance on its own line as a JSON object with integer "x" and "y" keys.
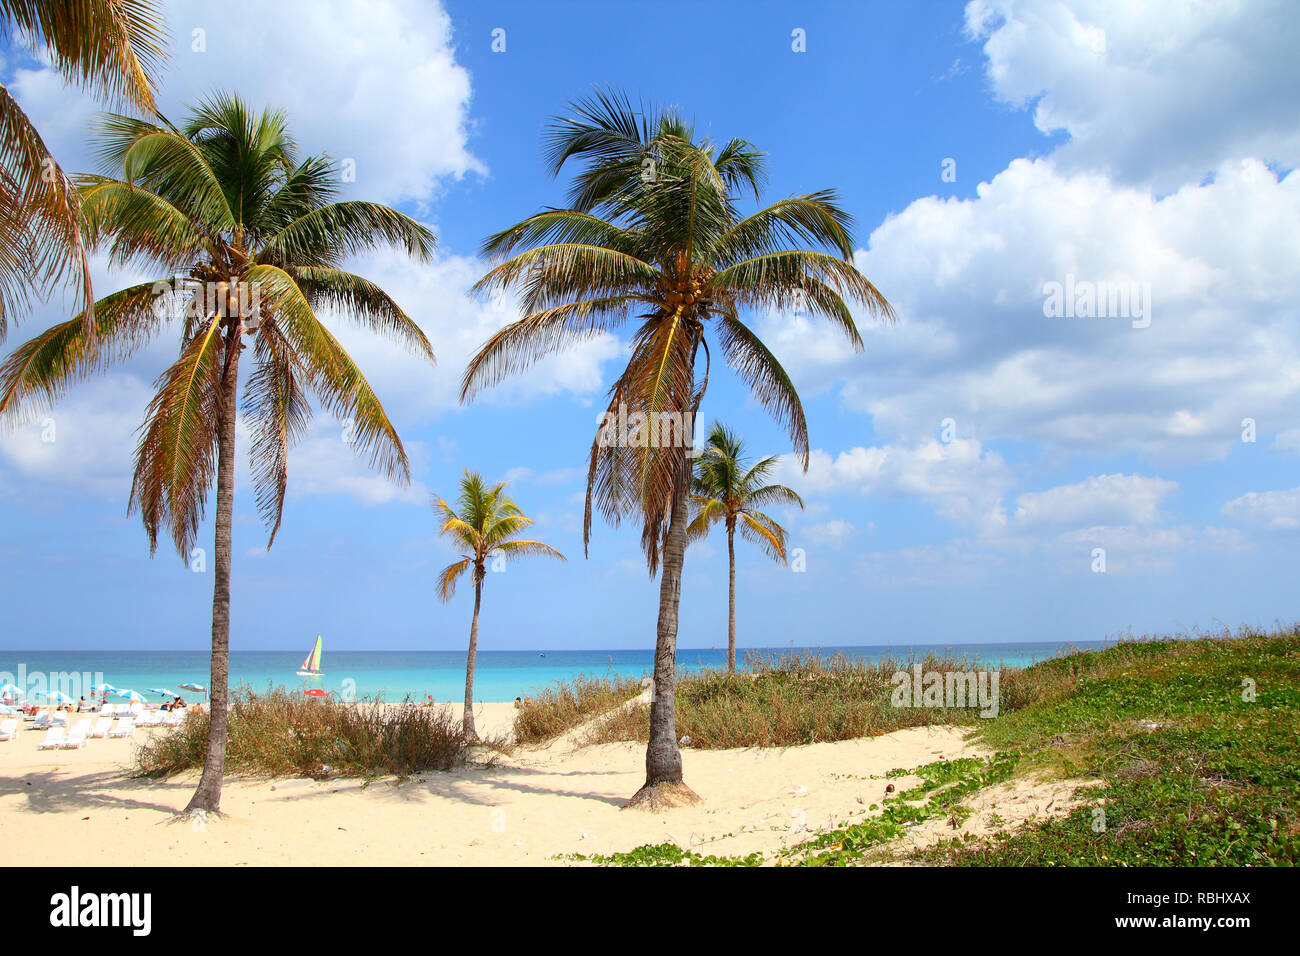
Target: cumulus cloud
{"x": 372, "y": 81}
{"x": 835, "y": 532}
{"x": 1101, "y": 498}
{"x": 1158, "y": 94}
{"x": 960, "y": 479}
{"x": 1270, "y": 510}
{"x": 1222, "y": 262}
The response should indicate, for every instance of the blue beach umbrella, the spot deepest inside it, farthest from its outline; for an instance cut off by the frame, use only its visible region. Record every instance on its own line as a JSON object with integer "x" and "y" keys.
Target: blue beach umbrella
{"x": 131, "y": 695}
{"x": 163, "y": 691}
{"x": 10, "y": 690}
{"x": 195, "y": 687}
{"x": 105, "y": 689}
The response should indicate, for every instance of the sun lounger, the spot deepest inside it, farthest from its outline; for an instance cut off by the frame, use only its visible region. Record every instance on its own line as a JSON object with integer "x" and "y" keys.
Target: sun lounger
{"x": 174, "y": 718}
{"x": 137, "y": 708}
{"x": 9, "y": 728}
{"x": 53, "y": 739}
{"x": 60, "y": 717}
{"x": 76, "y": 738}
{"x": 101, "y": 727}
{"x": 125, "y": 728}
{"x": 42, "y": 720}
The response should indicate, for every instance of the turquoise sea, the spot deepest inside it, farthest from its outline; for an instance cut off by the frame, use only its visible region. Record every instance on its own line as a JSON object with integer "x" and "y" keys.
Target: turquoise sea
{"x": 499, "y": 675}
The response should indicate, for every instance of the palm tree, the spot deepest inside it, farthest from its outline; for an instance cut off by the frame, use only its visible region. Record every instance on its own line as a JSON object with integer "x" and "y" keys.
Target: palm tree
{"x": 654, "y": 227}
{"x": 256, "y": 242}
{"x": 726, "y": 490}
{"x": 483, "y": 525}
{"x": 116, "y": 50}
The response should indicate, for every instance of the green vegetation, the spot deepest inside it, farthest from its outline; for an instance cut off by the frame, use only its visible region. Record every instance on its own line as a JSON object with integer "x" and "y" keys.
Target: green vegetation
{"x": 1194, "y": 771}
{"x": 1194, "y": 746}
{"x": 787, "y": 701}
{"x": 484, "y": 523}
{"x": 566, "y": 704}
{"x": 282, "y": 734}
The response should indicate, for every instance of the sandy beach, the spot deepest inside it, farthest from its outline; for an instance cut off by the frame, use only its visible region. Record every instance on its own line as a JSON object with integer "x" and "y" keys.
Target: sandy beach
{"x": 78, "y": 807}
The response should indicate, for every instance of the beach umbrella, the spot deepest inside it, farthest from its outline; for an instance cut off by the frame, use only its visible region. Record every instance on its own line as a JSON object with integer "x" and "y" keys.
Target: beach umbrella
{"x": 10, "y": 691}
{"x": 56, "y": 697}
{"x": 315, "y": 692}
{"x": 196, "y": 687}
{"x": 131, "y": 695}
{"x": 164, "y": 691}
{"x": 105, "y": 689}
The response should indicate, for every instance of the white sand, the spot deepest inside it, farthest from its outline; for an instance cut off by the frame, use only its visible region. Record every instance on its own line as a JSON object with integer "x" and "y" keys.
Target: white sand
{"x": 77, "y": 807}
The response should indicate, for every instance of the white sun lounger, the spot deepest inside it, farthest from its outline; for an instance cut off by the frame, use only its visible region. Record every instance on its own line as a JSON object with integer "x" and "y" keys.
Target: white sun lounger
{"x": 60, "y": 717}
{"x": 42, "y": 720}
{"x": 76, "y": 738}
{"x": 53, "y": 739}
{"x": 9, "y": 728}
{"x": 125, "y": 728}
{"x": 174, "y": 718}
{"x": 148, "y": 719}
{"x": 101, "y": 727}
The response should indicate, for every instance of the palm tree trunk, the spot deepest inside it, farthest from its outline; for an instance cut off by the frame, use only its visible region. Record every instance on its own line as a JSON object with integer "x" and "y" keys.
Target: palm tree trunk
{"x": 731, "y": 600}
{"x": 663, "y": 785}
{"x": 469, "y": 661}
{"x": 207, "y": 797}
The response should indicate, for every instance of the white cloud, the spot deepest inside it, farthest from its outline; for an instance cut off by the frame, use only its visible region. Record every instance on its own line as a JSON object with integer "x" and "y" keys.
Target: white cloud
{"x": 960, "y": 479}
{"x": 835, "y": 532}
{"x": 1157, "y": 94}
{"x": 973, "y": 344}
{"x": 436, "y": 297}
{"x": 1101, "y": 498}
{"x": 1288, "y": 441}
{"x": 1271, "y": 510}
{"x": 87, "y": 441}
{"x": 375, "y": 81}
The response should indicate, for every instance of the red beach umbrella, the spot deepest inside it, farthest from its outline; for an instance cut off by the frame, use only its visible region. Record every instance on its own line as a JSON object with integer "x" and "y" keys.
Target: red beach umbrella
{"x": 315, "y": 692}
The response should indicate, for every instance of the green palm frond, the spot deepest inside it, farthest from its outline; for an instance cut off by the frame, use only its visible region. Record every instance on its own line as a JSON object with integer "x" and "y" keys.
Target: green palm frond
{"x": 653, "y": 226}
{"x": 727, "y": 489}
{"x": 252, "y": 239}
{"x": 483, "y": 522}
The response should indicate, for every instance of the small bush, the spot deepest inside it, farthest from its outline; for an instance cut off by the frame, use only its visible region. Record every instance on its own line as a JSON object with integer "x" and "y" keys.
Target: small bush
{"x": 567, "y": 704}
{"x": 790, "y": 700}
{"x": 280, "y": 734}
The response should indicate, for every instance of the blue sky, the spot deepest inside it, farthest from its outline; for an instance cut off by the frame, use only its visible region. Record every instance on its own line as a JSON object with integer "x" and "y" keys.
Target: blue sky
{"x": 1122, "y": 148}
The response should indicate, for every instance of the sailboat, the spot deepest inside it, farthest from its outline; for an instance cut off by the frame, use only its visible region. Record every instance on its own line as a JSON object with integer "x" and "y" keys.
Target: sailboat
{"x": 311, "y": 666}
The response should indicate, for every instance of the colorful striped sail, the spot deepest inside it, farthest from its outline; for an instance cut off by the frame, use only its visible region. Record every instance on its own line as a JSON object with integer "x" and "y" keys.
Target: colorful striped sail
{"x": 311, "y": 666}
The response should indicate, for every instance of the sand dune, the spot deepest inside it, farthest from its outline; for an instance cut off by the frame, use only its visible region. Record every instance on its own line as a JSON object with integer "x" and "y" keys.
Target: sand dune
{"x": 78, "y": 807}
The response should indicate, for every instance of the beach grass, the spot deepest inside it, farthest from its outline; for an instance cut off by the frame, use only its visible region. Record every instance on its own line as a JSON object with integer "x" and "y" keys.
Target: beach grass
{"x": 1190, "y": 749}
{"x": 279, "y": 733}
{"x": 565, "y": 705}
{"x": 1196, "y": 745}
{"x": 789, "y": 700}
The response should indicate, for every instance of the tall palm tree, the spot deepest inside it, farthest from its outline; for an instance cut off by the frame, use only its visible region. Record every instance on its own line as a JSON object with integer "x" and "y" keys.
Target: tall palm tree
{"x": 483, "y": 524}
{"x": 654, "y": 228}
{"x": 115, "y": 48}
{"x": 725, "y": 490}
{"x": 256, "y": 242}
